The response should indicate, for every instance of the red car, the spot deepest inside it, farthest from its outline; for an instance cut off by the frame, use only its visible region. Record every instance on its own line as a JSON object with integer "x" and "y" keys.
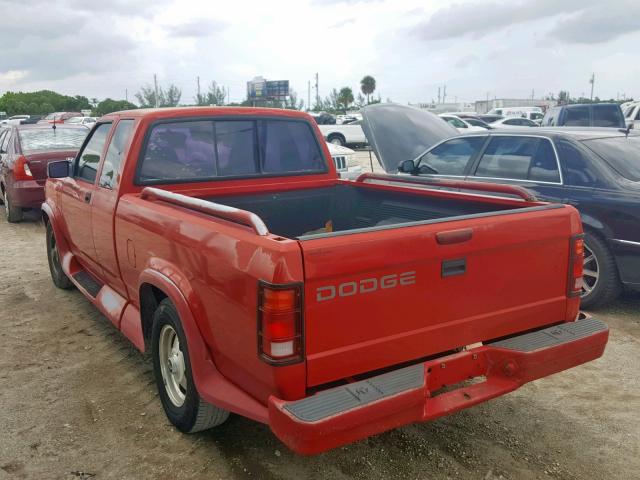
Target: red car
{"x": 25, "y": 151}
{"x": 223, "y": 241}
{"x": 59, "y": 117}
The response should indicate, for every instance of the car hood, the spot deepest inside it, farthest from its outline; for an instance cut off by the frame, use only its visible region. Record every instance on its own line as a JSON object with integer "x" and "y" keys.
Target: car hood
{"x": 398, "y": 132}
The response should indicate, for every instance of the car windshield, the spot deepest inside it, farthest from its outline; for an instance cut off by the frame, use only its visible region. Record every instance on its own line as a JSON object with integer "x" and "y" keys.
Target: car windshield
{"x": 74, "y": 120}
{"x": 39, "y": 139}
{"x": 622, "y": 153}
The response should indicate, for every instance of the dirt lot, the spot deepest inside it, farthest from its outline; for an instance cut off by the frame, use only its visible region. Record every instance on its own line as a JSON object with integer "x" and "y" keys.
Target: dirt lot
{"x": 78, "y": 402}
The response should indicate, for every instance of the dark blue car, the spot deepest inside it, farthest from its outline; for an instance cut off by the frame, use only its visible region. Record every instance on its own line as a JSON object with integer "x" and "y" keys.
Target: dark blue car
{"x": 597, "y": 171}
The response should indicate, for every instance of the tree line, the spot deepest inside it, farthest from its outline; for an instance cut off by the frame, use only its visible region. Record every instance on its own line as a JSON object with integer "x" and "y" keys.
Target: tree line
{"x": 44, "y": 102}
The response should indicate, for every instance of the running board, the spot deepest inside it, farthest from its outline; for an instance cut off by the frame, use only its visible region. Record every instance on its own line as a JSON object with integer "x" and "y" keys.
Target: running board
{"x": 88, "y": 283}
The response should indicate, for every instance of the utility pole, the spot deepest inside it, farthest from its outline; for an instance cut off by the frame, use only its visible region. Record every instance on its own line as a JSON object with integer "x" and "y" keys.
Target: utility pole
{"x": 308, "y": 95}
{"x": 317, "y": 92}
{"x": 592, "y": 81}
{"x": 533, "y": 94}
{"x": 155, "y": 89}
{"x": 228, "y": 96}
{"x": 126, "y": 95}
{"x": 444, "y": 94}
{"x": 439, "y": 95}
{"x": 198, "y": 82}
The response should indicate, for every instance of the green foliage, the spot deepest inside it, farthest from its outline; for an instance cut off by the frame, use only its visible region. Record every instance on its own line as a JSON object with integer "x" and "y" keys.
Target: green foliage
{"x": 109, "y": 105}
{"x": 166, "y": 98}
{"x": 41, "y": 102}
{"x": 214, "y": 96}
{"x": 368, "y": 85}
{"x": 345, "y": 97}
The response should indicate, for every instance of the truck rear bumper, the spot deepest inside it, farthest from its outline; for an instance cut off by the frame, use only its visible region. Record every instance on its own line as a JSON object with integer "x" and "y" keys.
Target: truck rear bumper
{"x": 417, "y": 393}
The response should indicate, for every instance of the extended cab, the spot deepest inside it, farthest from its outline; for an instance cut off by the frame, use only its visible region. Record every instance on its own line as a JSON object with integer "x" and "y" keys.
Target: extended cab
{"x": 221, "y": 240}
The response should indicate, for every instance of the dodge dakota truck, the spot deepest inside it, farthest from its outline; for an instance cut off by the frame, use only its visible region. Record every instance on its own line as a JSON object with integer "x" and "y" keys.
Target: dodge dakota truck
{"x": 222, "y": 241}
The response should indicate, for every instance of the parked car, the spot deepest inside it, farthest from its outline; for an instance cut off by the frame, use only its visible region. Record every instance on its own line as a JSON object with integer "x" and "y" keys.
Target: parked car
{"x": 86, "y": 121}
{"x": 476, "y": 122}
{"x": 490, "y": 118}
{"x": 25, "y": 151}
{"x": 343, "y": 158}
{"x": 323, "y": 118}
{"x": 459, "y": 124}
{"x": 632, "y": 115}
{"x": 59, "y": 117}
{"x": 597, "y": 171}
{"x": 14, "y": 120}
{"x": 221, "y": 240}
{"x": 585, "y": 115}
{"x": 341, "y": 135}
{"x": 530, "y": 113}
{"x": 33, "y": 119}
{"x": 513, "y": 122}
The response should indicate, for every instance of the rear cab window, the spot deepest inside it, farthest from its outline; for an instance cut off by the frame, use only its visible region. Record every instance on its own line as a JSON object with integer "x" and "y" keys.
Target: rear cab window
{"x": 608, "y": 116}
{"x": 576, "y": 116}
{"x": 208, "y": 149}
{"x": 519, "y": 158}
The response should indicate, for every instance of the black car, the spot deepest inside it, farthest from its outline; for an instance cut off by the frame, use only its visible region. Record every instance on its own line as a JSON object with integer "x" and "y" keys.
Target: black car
{"x": 585, "y": 115}
{"x": 597, "y": 171}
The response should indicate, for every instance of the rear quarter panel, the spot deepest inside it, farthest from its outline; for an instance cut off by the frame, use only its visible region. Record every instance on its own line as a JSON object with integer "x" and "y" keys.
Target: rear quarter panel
{"x": 217, "y": 265}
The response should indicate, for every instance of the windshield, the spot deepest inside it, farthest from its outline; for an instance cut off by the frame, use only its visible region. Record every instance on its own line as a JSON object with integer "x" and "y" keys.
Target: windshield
{"x": 74, "y": 120}
{"x": 622, "y": 153}
{"x": 40, "y": 139}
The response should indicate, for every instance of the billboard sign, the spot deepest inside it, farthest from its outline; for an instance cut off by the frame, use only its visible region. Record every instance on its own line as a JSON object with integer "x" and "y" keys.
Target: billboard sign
{"x": 262, "y": 89}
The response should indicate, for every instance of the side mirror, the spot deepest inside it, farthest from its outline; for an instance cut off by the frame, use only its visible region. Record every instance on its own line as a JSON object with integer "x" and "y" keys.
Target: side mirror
{"x": 629, "y": 124}
{"x": 59, "y": 169}
{"x": 408, "y": 166}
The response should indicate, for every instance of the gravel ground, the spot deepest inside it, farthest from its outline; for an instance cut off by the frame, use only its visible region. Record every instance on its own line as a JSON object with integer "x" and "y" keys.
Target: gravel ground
{"x": 79, "y": 402}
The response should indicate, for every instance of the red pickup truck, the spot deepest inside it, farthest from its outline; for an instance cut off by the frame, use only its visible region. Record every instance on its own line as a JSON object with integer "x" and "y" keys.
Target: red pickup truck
{"x": 222, "y": 240}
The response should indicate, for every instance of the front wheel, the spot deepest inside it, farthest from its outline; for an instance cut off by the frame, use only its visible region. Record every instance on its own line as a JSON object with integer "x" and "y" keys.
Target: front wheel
{"x": 601, "y": 284}
{"x": 172, "y": 370}
{"x": 337, "y": 139}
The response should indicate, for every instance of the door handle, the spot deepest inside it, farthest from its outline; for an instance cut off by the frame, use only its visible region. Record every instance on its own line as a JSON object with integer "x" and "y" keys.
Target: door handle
{"x": 87, "y": 197}
{"x": 454, "y": 236}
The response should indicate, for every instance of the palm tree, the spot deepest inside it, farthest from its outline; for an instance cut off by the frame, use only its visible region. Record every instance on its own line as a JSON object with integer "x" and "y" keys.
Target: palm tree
{"x": 345, "y": 97}
{"x": 368, "y": 85}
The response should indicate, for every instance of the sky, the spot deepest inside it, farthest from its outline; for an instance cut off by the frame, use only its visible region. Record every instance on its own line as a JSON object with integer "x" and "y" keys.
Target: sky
{"x": 500, "y": 49}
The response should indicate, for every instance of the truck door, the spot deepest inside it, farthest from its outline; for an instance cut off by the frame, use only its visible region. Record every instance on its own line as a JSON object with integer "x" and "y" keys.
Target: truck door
{"x": 76, "y": 196}
{"x": 105, "y": 199}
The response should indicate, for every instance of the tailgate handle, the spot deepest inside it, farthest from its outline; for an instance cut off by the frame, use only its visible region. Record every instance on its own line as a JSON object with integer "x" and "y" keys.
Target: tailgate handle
{"x": 454, "y": 236}
{"x": 451, "y": 268}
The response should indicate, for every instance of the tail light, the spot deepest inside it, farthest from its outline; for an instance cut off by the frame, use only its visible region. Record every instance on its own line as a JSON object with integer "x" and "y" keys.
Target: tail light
{"x": 280, "y": 339}
{"x": 576, "y": 265}
{"x": 21, "y": 170}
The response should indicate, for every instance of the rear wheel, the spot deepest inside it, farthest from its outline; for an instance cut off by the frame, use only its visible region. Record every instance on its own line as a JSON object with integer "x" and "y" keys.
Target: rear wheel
{"x": 58, "y": 276}
{"x": 172, "y": 369}
{"x": 601, "y": 284}
{"x": 337, "y": 139}
{"x": 13, "y": 213}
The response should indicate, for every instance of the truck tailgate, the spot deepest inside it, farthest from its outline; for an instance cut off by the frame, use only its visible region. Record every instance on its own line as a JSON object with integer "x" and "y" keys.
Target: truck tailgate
{"x": 383, "y": 297}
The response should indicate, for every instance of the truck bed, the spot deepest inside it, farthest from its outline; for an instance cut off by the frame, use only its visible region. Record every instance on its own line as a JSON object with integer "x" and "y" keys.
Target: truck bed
{"x": 351, "y": 208}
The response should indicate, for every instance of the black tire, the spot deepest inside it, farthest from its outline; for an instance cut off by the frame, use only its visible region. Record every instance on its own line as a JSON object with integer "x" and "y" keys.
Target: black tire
{"x": 607, "y": 287}
{"x": 13, "y": 213}
{"x": 194, "y": 415}
{"x": 337, "y": 139}
{"x": 58, "y": 276}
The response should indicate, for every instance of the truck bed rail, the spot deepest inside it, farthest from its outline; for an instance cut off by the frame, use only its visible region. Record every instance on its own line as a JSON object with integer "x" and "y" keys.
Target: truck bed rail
{"x": 225, "y": 212}
{"x": 521, "y": 192}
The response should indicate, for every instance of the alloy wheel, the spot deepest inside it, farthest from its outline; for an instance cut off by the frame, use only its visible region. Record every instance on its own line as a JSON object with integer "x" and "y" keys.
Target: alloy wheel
{"x": 591, "y": 271}
{"x": 172, "y": 365}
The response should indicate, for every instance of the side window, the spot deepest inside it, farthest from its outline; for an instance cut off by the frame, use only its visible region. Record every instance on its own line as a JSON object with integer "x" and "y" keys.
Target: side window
{"x": 452, "y": 156}
{"x": 513, "y": 121}
{"x": 514, "y": 157}
{"x": 88, "y": 160}
{"x": 576, "y": 116}
{"x": 544, "y": 165}
{"x": 577, "y": 169}
{"x": 113, "y": 158}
